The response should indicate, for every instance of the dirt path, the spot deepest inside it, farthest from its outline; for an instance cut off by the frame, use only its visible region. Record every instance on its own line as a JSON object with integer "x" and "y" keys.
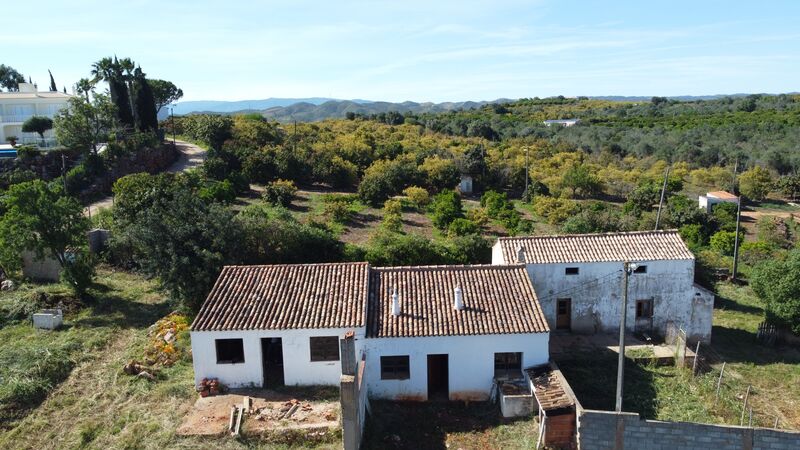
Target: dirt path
{"x": 191, "y": 156}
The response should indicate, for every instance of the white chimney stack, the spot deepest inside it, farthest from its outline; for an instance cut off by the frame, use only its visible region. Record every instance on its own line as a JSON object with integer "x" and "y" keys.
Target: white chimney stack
{"x": 395, "y": 303}
{"x": 521, "y": 255}
{"x": 459, "y": 304}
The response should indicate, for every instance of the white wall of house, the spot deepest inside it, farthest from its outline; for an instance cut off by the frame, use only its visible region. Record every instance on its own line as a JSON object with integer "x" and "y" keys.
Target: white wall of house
{"x": 17, "y": 107}
{"x": 596, "y": 296}
{"x": 470, "y": 362}
{"x": 298, "y": 369}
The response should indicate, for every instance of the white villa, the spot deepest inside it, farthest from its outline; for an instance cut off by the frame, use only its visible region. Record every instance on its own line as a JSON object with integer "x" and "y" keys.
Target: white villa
{"x": 579, "y": 281}
{"x": 445, "y": 331}
{"x": 561, "y": 122}
{"x": 17, "y": 107}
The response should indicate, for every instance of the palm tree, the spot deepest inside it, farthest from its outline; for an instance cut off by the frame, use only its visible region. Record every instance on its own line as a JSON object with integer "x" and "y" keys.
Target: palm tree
{"x": 84, "y": 85}
{"x": 103, "y": 70}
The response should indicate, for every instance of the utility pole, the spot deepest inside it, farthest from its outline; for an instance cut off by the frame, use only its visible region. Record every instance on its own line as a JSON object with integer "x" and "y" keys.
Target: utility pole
{"x": 661, "y": 202}
{"x": 736, "y": 238}
{"x": 64, "y": 172}
{"x": 526, "y": 193}
{"x": 294, "y": 138}
{"x": 172, "y": 114}
{"x": 627, "y": 268}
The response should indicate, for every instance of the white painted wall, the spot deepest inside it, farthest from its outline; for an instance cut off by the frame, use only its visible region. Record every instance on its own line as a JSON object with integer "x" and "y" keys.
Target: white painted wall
{"x": 298, "y": 369}
{"x": 596, "y": 295}
{"x": 470, "y": 362}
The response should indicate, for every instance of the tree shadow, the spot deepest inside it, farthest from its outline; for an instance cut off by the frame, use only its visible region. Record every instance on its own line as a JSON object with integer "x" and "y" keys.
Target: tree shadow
{"x": 731, "y": 305}
{"x": 593, "y": 378}
{"x": 426, "y": 425}
{"x": 114, "y": 311}
{"x": 737, "y": 345}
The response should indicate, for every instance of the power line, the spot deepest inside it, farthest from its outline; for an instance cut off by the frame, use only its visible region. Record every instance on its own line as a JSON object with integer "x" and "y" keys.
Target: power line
{"x": 580, "y": 286}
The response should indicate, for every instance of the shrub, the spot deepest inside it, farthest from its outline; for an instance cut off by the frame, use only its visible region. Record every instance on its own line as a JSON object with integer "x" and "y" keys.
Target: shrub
{"x": 418, "y": 196}
{"x": 555, "y": 210}
{"x": 753, "y": 253}
{"x": 725, "y": 241}
{"x": 777, "y": 283}
{"x": 694, "y": 235}
{"x": 393, "y": 215}
{"x": 445, "y": 208}
{"x": 218, "y": 191}
{"x": 280, "y": 192}
{"x": 462, "y": 227}
{"x": 393, "y": 249}
{"x": 478, "y": 216}
{"x": 339, "y": 212}
{"x": 755, "y": 183}
{"x": 439, "y": 173}
{"x": 27, "y": 152}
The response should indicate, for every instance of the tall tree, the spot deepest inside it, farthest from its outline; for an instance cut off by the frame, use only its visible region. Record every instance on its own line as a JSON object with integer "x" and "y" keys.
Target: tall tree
{"x": 111, "y": 71}
{"x": 164, "y": 92}
{"x": 39, "y": 218}
{"x": 53, "y": 87}
{"x": 86, "y": 121}
{"x": 144, "y": 103}
{"x": 10, "y": 78}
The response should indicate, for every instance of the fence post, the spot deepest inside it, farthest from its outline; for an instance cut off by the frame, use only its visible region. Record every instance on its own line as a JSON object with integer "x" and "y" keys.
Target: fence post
{"x": 744, "y": 405}
{"x": 719, "y": 382}
{"x": 696, "y": 355}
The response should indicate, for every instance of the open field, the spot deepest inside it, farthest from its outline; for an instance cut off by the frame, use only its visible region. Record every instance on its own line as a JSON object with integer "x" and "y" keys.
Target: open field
{"x": 669, "y": 393}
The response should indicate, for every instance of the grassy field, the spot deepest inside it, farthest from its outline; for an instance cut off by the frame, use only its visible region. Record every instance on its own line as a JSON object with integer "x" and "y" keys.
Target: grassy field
{"x": 670, "y": 393}
{"x": 66, "y": 389}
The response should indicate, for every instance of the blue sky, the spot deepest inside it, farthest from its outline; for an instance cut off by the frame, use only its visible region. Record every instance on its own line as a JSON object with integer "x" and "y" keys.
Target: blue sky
{"x": 417, "y": 50}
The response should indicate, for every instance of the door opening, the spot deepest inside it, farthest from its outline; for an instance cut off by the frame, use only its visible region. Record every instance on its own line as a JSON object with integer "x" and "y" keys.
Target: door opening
{"x": 563, "y": 313}
{"x": 272, "y": 361}
{"x": 438, "y": 377}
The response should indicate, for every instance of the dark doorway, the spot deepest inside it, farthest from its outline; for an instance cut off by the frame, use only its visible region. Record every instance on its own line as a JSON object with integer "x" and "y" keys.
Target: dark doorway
{"x": 438, "y": 374}
{"x": 563, "y": 313}
{"x": 272, "y": 361}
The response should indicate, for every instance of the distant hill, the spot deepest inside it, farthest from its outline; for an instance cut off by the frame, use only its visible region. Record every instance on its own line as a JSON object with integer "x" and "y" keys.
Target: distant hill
{"x": 320, "y": 108}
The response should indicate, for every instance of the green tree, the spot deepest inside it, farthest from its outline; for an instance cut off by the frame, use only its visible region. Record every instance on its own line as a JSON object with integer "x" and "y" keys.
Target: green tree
{"x": 38, "y": 218}
{"x": 164, "y": 93}
{"x": 440, "y": 173}
{"x": 755, "y": 183}
{"x": 175, "y": 235}
{"x": 579, "y": 179}
{"x": 144, "y": 111}
{"x": 86, "y": 121}
{"x": 112, "y": 72}
{"x": 10, "y": 78}
{"x": 280, "y": 192}
{"x": 53, "y": 87}
{"x": 777, "y": 284}
{"x": 445, "y": 208}
{"x": 39, "y": 125}
{"x": 724, "y": 242}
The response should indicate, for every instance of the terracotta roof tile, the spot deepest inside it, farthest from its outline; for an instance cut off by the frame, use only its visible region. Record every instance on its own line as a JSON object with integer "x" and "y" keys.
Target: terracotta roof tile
{"x": 287, "y": 296}
{"x": 548, "y": 390}
{"x": 600, "y": 247}
{"x": 497, "y": 300}
{"x": 722, "y": 195}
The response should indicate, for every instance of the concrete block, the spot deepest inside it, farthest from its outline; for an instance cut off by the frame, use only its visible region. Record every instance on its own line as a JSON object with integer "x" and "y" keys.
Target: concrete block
{"x": 48, "y": 319}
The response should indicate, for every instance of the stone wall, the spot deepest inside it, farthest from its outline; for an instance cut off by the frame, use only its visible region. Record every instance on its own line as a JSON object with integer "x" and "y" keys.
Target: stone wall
{"x": 150, "y": 160}
{"x": 609, "y": 430}
{"x": 353, "y": 394}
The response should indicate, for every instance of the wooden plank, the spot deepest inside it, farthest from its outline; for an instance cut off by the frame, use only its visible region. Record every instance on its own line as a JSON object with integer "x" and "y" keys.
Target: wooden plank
{"x": 238, "y": 422}
{"x": 233, "y": 418}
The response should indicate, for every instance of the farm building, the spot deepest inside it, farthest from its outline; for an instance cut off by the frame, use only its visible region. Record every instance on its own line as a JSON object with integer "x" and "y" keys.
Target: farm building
{"x": 446, "y": 331}
{"x": 708, "y": 201}
{"x": 578, "y": 279}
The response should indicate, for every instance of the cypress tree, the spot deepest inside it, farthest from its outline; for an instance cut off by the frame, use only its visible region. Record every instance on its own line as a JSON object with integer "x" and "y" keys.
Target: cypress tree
{"x": 121, "y": 99}
{"x": 144, "y": 103}
{"x": 53, "y": 87}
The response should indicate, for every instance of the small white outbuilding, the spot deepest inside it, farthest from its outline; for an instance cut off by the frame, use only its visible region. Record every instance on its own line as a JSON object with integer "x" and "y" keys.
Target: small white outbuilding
{"x": 707, "y": 202}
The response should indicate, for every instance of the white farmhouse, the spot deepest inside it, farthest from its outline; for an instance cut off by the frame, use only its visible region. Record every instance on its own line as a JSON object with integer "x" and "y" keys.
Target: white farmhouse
{"x": 17, "y": 107}
{"x": 446, "y": 331}
{"x": 708, "y": 201}
{"x": 274, "y": 325}
{"x": 449, "y": 331}
{"x": 578, "y": 279}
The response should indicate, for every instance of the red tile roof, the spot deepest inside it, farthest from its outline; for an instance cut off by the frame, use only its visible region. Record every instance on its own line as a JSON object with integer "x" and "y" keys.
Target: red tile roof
{"x": 600, "y": 247}
{"x": 497, "y": 299}
{"x": 287, "y": 296}
{"x": 548, "y": 388}
{"x": 722, "y": 195}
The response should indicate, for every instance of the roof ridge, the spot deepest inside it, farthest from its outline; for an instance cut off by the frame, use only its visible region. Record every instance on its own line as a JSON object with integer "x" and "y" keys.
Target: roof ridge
{"x": 297, "y": 264}
{"x": 450, "y": 267}
{"x": 568, "y": 235}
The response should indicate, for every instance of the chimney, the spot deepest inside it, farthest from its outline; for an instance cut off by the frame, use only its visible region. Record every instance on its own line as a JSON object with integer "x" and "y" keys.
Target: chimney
{"x": 459, "y": 304}
{"x": 395, "y": 303}
{"x": 521, "y": 255}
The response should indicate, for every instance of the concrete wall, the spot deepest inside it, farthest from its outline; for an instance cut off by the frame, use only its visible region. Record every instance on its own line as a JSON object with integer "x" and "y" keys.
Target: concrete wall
{"x": 607, "y": 430}
{"x": 470, "y": 362}
{"x": 298, "y": 369}
{"x": 353, "y": 395}
{"x": 596, "y": 295}
{"x": 45, "y": 269}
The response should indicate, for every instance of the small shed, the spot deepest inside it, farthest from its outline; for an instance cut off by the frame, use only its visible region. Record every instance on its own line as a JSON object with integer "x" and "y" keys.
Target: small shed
{"x": 465, "y": 185}
{"x": 708, "y": 201}
{"x": 557, "y": 406}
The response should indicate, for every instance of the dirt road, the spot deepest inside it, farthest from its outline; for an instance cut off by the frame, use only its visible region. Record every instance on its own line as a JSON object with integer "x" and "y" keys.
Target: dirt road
{"x": 191, "y": 156}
